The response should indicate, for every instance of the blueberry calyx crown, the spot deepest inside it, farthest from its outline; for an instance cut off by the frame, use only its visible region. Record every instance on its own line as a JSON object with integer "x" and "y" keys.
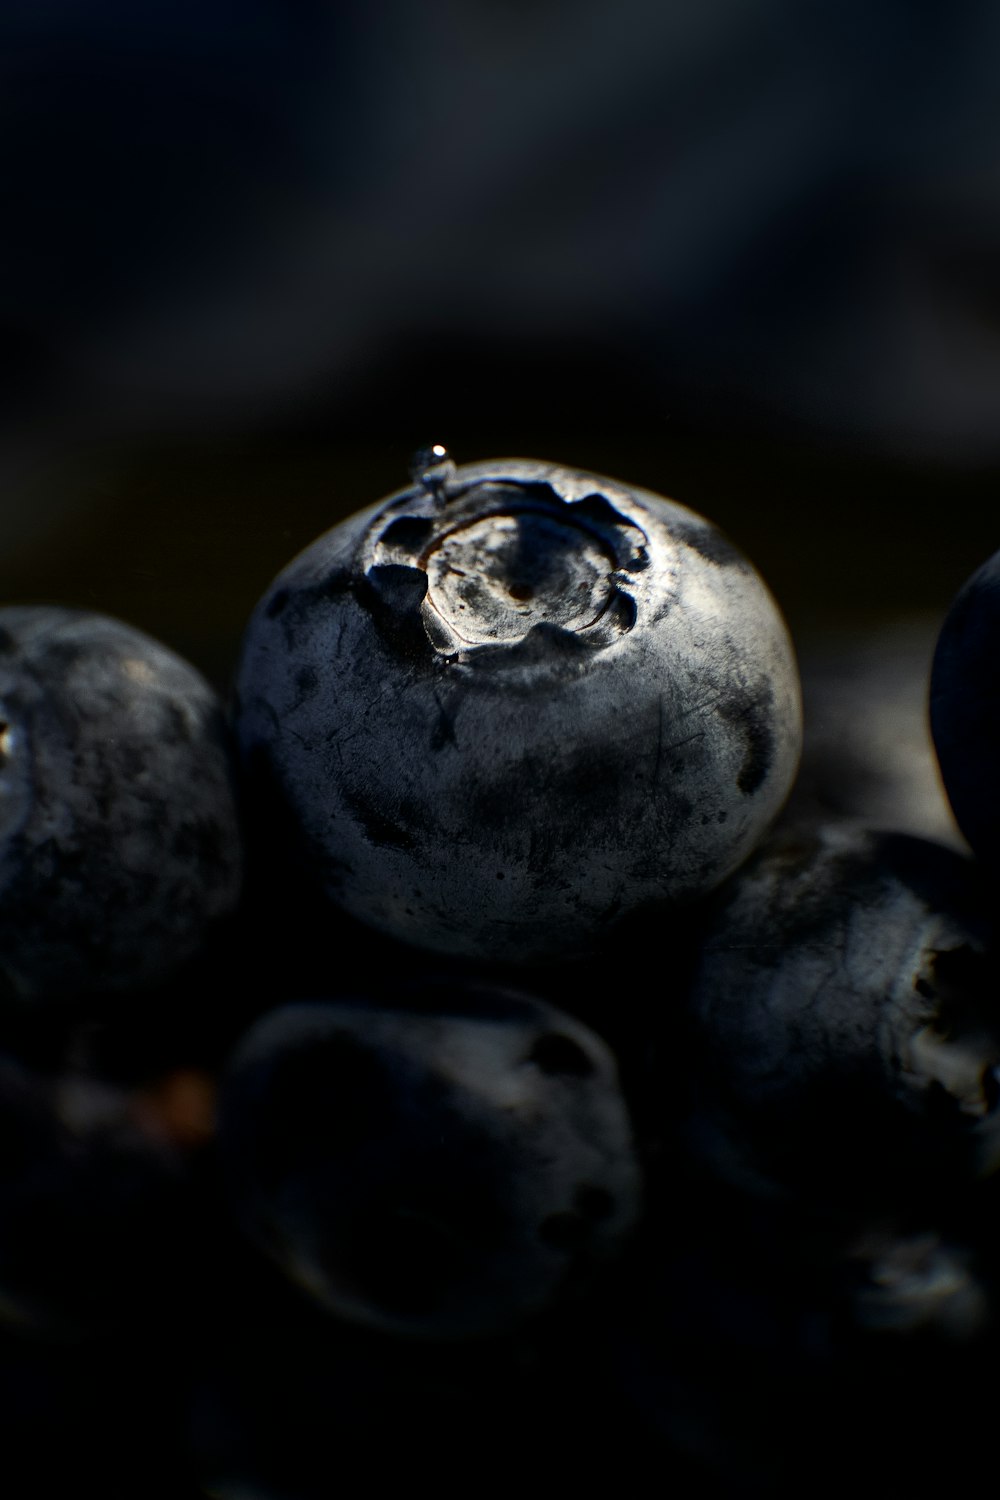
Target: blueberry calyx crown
{"x": 490, "y": 561}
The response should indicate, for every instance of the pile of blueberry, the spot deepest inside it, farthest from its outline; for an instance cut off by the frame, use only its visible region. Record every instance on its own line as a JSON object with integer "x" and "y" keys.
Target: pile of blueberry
{"x": 472, "y": 1048}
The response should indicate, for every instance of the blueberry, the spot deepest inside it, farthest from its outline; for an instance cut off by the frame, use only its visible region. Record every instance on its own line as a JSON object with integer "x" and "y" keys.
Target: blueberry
{"x": 514, "y": 703}
{"x": 965, "y": 708}
{"x": 845, "y": 1005}
{"x": 119, "y": 842}
{"x": 441, "y": 1172}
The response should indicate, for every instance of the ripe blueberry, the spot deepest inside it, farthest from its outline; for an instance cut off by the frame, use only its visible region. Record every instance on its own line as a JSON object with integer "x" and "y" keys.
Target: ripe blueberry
{"x": 441, "y": 1172}
{"x": 845, "y": 998}
{"x": 515, "y": 702}
{"x": 119, "y": 844}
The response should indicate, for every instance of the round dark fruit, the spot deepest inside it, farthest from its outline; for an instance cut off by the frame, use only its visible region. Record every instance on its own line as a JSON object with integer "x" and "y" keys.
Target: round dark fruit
{"x": 965, "y": 709}
{"x": 845, "y": 1003}
{"x": 515, "y": 702}
{"x": 438, "y": 1173}
{"x": 119, "y": 841}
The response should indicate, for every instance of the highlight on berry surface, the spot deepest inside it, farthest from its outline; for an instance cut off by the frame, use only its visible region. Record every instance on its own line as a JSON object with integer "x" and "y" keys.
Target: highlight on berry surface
{"x": 515, "y": 702}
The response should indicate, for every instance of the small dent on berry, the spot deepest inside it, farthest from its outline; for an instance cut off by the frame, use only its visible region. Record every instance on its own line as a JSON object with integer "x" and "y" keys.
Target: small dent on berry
{"x": 752, "y": 720}
{"x": 383, "y": 832}
{"x": 307, "y": 682}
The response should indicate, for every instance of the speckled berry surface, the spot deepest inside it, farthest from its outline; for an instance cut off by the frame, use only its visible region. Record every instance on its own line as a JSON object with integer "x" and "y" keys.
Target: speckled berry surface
{"x": 119, "y": 840}
{"x": 515, "y": 702}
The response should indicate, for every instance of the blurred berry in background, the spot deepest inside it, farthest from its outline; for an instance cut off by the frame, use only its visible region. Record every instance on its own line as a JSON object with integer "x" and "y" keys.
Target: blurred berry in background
{"x": 214, "y": 205}
{"x": 619, "y": 236}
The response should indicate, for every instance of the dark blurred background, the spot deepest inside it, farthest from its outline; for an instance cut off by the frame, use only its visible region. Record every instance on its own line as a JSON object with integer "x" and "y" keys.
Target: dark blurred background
{"x": 745, "y": 252}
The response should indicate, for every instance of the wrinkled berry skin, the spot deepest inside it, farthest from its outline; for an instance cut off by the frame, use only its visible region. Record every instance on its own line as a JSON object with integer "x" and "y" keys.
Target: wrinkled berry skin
{"x": 441, "y": 1172}
{"x": 965, "y": 709}
{"x": 503, "y": 711}
{"x": 119, "y": 841}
